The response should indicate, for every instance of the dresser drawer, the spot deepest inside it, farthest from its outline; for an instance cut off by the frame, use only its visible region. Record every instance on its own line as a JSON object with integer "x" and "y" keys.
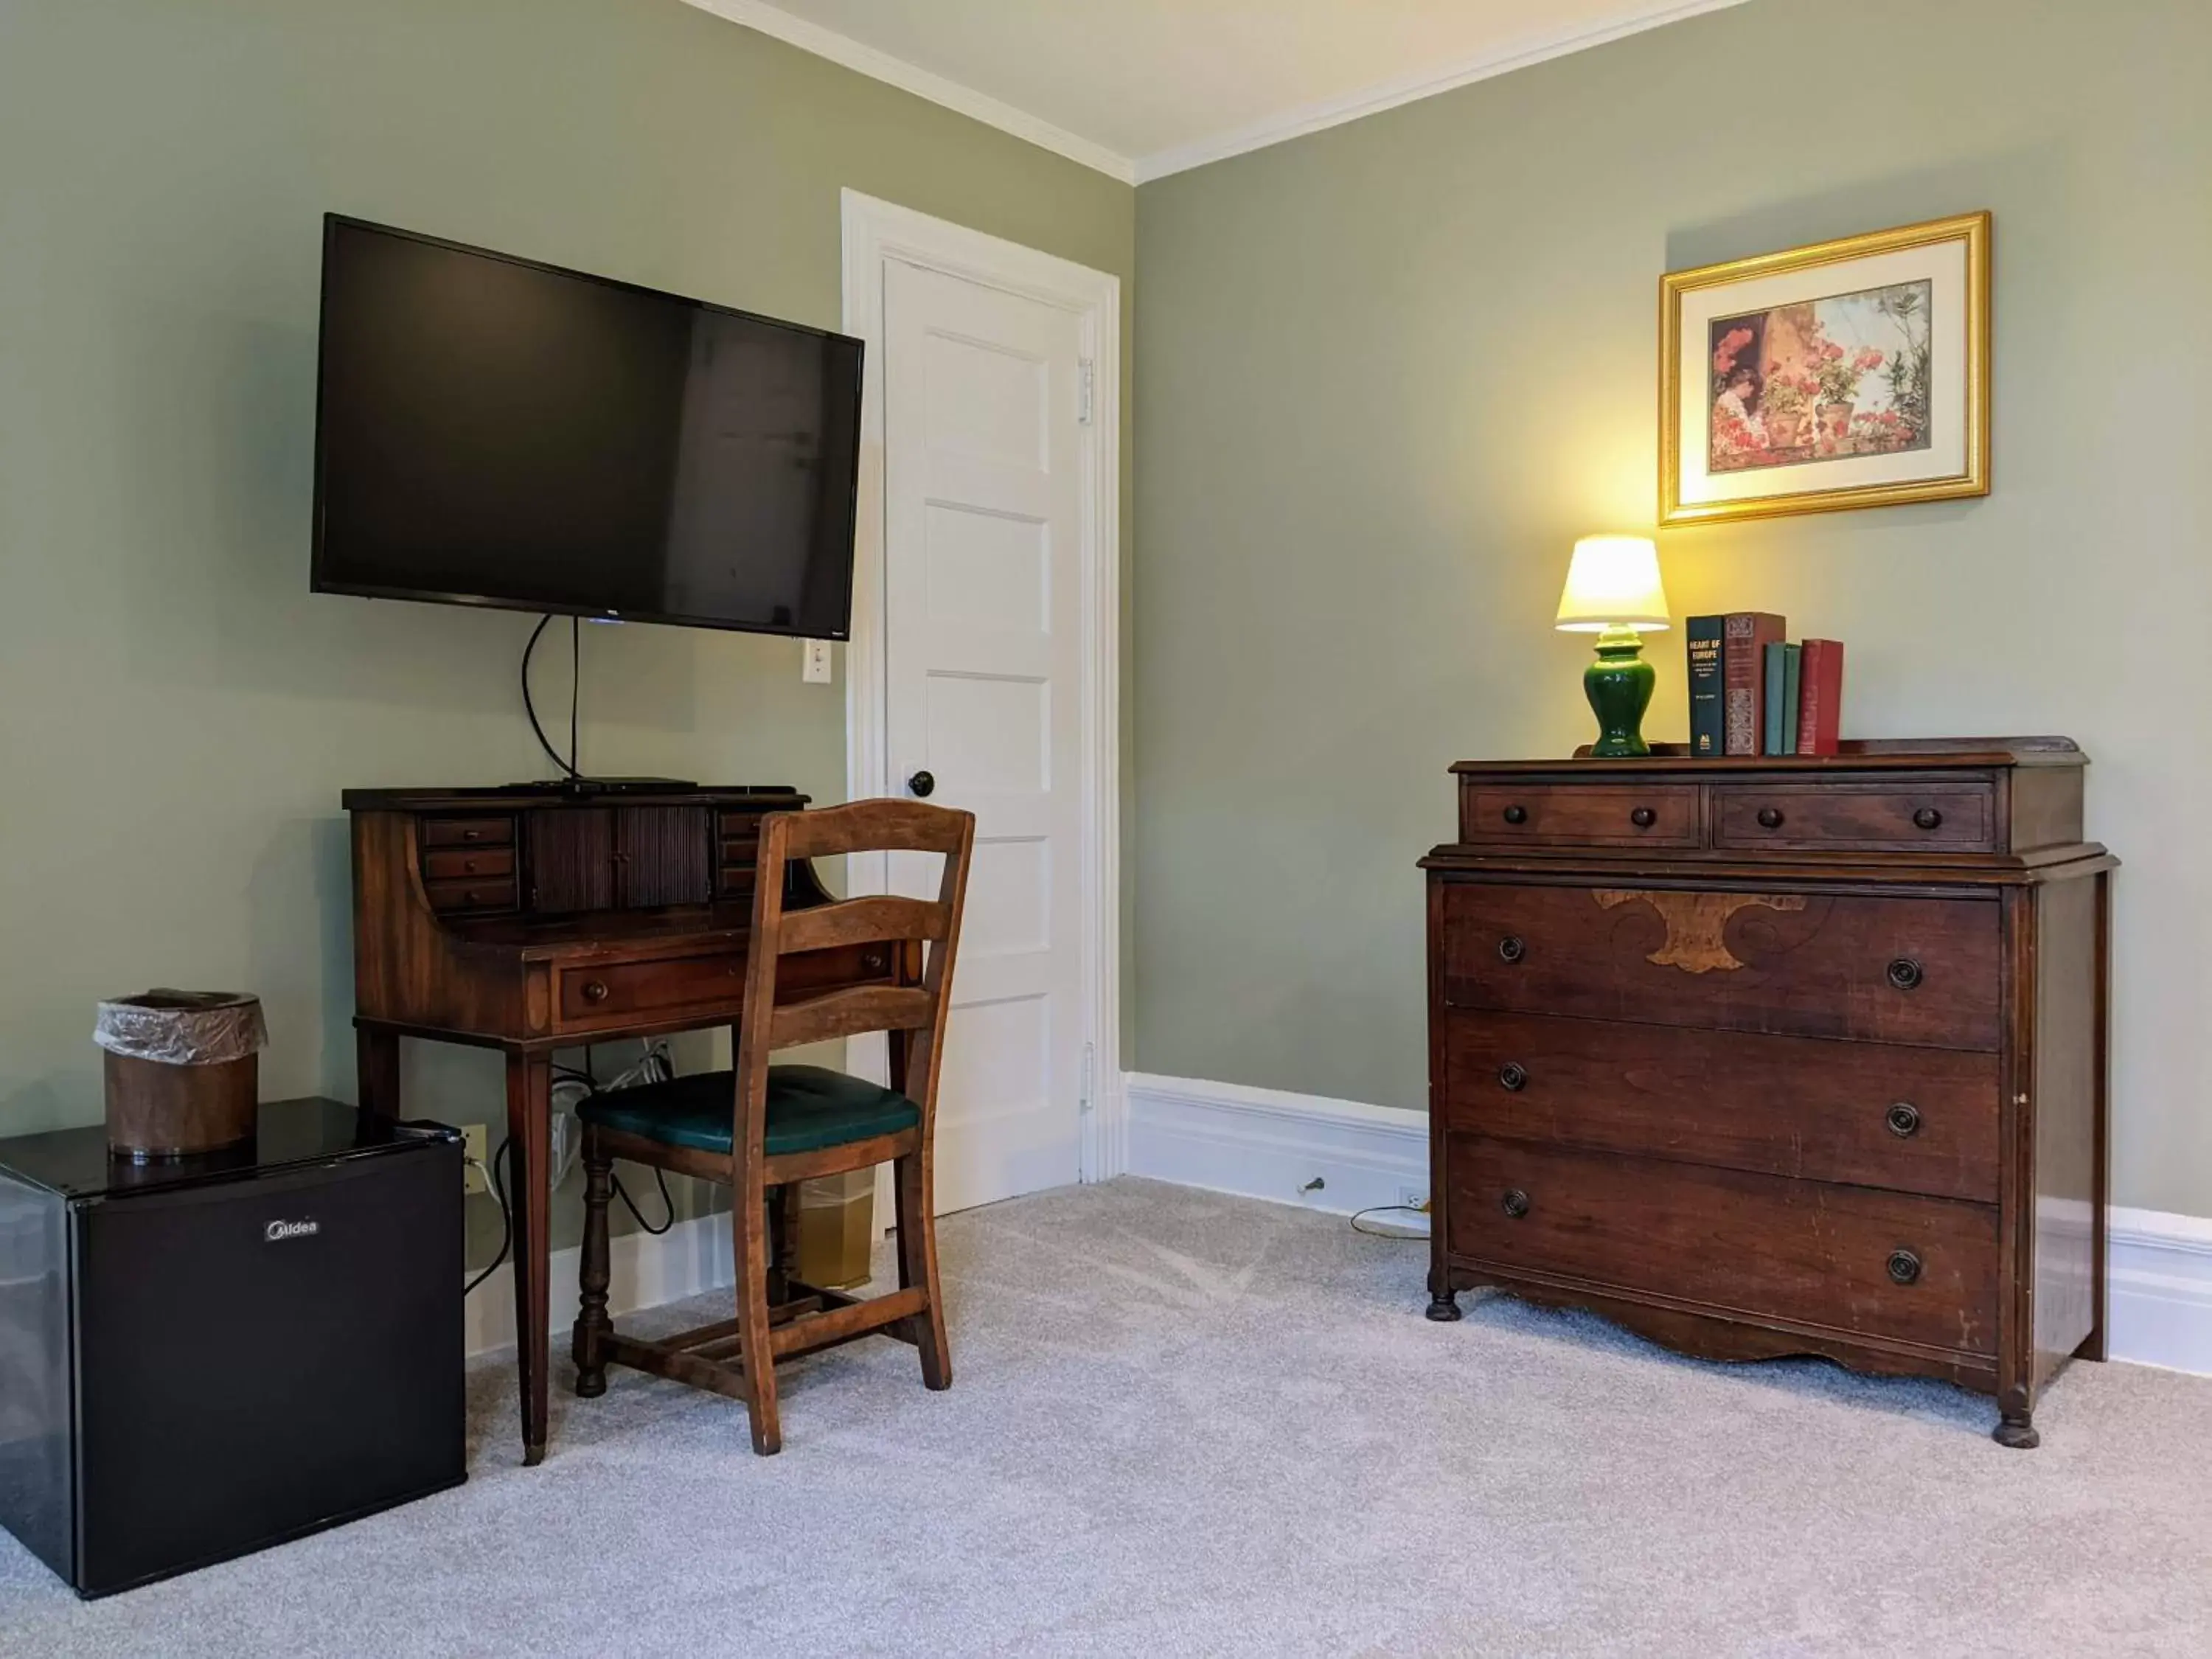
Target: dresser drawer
{"x": 1919, "y": 971}
{"x": 1578, "y": 815}
{"x": 468, "y": 832}
{"x": 1871, "y": 1264}
{"x": 1914, "y": 1120}
{"x": 1874, "y": 817}
{"x": 598, "y": 992}
{"x": 452, "y": 898}
{"x": 468, "y": 863}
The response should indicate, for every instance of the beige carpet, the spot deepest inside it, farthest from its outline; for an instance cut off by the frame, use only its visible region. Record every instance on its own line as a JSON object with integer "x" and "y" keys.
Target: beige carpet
{"x": 1184, "y": 1424}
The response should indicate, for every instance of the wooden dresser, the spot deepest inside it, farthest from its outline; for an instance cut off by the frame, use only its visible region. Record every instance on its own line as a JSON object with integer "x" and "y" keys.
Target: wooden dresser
{"x": 1777, "y": 1056}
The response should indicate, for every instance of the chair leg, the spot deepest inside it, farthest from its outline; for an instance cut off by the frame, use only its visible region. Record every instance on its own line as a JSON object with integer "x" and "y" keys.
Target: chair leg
{"x": 755, "y": 1349}
{"x": 592, "y": 1325}
{"x": 917, "y": 1232}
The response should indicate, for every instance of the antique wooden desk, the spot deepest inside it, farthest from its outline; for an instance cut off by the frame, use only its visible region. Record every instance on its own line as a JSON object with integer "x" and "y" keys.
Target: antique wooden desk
{"x": 529, "y": 921}
{"x": 1781, "y": 1055}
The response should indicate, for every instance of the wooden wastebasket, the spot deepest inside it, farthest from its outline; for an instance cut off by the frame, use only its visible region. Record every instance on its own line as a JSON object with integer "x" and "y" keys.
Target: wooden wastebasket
{"x": 183, "y": 1071}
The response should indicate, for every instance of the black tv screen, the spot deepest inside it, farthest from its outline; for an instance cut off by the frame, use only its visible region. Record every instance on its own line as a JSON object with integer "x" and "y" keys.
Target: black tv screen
{"x": 493, "y": 431}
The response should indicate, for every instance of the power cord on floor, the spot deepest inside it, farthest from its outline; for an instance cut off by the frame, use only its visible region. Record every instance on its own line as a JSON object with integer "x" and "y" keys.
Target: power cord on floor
{"x": 506, "y": 1217}
{"x": 1383, "y": 1209}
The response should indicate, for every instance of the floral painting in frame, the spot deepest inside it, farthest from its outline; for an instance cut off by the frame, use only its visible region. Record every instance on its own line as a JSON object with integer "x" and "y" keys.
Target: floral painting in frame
{"x": 1849, "y": 373}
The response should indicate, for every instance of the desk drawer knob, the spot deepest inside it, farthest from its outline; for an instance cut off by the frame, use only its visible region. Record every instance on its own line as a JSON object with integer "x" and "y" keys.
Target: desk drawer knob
{"x": 1903, "y": 1119}
{"x": 1770, "y": 818}
{"x": 1513, "y": 1078}
{"x": 1514, "y": 1203}
{"x": 1515, "y": 814}
{"x": 595, "y": 990}
{"x": 1904, "y": 974}
{"x": 1904, "y": 1267}
{"x": 1511, "y": 948}
{"x": 1928, "y": 818}
{"x": 1643, "y": 818}
{"x": 471, "y": 834}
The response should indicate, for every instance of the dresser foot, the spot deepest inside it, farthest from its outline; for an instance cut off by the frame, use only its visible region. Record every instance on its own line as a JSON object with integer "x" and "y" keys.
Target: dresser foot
{"x": 2018, "y": 1432}
{"x": 1443, "y": 1307}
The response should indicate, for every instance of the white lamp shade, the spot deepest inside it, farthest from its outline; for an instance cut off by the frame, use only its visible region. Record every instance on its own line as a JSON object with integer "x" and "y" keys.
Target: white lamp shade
{"x": 1612, "y": 581}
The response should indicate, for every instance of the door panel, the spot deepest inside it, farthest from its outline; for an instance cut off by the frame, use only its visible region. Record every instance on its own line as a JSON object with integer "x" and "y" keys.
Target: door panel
{"x": 984, "y": 498}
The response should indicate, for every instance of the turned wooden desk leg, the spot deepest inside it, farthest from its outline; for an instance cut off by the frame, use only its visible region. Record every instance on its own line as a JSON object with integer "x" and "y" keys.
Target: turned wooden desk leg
{"x": 376, "y": 1058}
{"x": 529, "y": 1130}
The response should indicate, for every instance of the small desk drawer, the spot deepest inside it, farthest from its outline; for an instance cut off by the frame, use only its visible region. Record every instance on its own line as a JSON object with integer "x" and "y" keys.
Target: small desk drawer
{"x": 590, "y": 994}
{"x": 1875, "y": 1264}
{"x": 468, "y": 832}
{"x": 468, "y": 863}
{"x": 1920, "y": 970}
{"x": 1578, "y": 815}
{"x": 452, "y": 898}
{"x": 1876, "y": 1115}
{"x": 1874, "y": 817}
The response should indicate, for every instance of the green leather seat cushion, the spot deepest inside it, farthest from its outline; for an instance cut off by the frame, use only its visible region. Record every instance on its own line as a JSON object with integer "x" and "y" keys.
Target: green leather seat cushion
{"x": 809, "y": 1107}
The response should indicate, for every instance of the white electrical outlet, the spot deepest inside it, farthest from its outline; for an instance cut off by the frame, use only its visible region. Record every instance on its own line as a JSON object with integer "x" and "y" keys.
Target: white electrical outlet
{"x": 1413, "y": 1198}
{"x": 474, "y": 1139}
{"x": 814, "y": 661}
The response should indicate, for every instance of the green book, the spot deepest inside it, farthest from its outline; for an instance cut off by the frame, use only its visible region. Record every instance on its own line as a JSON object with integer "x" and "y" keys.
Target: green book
{"x": 1774, "y": 678}
{"x": 1792, "y": 667}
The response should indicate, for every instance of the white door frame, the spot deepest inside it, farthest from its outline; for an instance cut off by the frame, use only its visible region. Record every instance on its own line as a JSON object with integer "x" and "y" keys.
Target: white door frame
{"x": 875, "y": 231}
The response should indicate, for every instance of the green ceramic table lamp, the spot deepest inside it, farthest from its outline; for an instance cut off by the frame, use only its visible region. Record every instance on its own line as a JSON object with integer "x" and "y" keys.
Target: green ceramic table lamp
{"x": 1613, "y": 591}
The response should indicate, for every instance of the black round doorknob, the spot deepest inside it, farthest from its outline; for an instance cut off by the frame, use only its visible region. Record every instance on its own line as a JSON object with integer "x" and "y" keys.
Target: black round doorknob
{"x": 1515, "y": 814}
{"x": 1770, "y": 818}
{"x": 922, "y": 784}
{"x": 1928, "y": 818}
{"x": 1511, "y": 948}
{"x": 1904, "y": 1267}
{"x": 1514, "y": 1203}
{"x": 1512, "y": 1077}
{"x": 1903, "y": 1119}
{"x": 1643, "y": 818}
{"x": 1904, "y": 973}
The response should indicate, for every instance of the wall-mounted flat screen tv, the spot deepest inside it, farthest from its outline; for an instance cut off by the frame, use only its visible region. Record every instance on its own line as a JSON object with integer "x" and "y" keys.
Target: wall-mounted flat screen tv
{"x": 493, "y": 431}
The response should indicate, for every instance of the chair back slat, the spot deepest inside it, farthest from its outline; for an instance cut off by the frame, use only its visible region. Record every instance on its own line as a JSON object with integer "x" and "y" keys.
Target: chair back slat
{"x": 862, "y": 921}
{"x": 850, "y": 1012}
{"x": 874, "y": 826}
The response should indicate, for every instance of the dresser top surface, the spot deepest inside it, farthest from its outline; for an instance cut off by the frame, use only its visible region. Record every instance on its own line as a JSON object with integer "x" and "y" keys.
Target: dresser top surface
{"x": 766, "y": 797}
{"x": 1858, "y": 756}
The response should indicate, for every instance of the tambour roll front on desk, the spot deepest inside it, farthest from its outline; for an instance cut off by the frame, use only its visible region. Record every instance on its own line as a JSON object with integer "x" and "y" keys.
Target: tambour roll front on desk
{"x": 529, "y": 921}
{"x": 1781, "y": 1055}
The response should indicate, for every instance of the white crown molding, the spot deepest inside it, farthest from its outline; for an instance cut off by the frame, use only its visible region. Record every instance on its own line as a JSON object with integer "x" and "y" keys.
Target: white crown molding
{"x": 1423, "y": 83}
{"x": 922, "y": 83}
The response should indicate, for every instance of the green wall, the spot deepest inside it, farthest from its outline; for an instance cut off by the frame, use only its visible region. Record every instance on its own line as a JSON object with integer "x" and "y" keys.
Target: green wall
{"x": 178, "y": 714}
{"x": 1386, "y": 373}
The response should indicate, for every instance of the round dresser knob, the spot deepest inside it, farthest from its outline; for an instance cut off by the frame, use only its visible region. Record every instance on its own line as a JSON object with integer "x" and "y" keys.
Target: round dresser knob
{"x": 1928, "y": 818}
{"x": 471, "y": 834}
{"x": 1770, "y": 818}
{"x": 1515, "y": 814}
{"x": 1903, "y": 1119}
{"x": 1512, "y": 1077}
{"x": 1643, "y": 818}
{"x": 1904, "y": 973}
{"x": 1514, "y": 1203}
{"x": 1903, "y": 1267}
{"x": 873, "y": 962}
{"x": 595, "y": 990}
{"x": 1511, "y": 948}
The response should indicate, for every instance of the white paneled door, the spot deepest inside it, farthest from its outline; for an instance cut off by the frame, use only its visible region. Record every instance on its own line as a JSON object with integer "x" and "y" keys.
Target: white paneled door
{"x": 984, "y": 515}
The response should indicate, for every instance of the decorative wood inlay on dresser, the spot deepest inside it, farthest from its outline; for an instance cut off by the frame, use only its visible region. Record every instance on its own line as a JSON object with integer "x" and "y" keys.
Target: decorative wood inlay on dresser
{"x": 1784, "y": 1055}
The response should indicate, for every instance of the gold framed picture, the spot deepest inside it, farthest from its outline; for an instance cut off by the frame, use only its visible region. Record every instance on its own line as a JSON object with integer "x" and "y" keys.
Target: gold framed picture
{"x": 1849, "y": 373}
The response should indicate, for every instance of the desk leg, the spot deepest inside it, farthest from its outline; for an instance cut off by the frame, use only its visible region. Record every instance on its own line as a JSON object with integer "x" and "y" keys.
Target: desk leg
{"x": 529, "y": 1129}
{"x": 376, "y": 1058}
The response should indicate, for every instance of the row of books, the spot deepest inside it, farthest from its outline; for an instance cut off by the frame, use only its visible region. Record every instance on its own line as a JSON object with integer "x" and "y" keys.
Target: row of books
{"x": 1753, "y": 692}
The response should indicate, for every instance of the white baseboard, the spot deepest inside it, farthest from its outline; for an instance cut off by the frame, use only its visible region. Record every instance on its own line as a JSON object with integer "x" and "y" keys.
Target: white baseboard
{"x": 645, "y": 1271}
{"x": 1271, "y": 1144}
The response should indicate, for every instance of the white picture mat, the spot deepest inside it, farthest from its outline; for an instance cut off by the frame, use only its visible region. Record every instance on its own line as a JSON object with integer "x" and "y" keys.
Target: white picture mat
{"x": 1942, "y": 264}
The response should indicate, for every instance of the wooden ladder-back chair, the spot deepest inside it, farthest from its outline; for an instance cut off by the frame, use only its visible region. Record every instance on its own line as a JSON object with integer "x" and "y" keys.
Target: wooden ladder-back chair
{"x": 764, "y": 1128}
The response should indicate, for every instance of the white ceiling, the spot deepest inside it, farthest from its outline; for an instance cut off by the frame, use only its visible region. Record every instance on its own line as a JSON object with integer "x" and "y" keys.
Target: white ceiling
{"x": 1142, "y": 88}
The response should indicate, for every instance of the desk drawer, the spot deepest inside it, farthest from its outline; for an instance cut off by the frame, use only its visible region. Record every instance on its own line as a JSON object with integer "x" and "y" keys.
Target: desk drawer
{"x": 1879, "y": 1114}
{"x": 1578, "y": 815}
{"x": 455, "y": 897}
{"x": 595, "y": 994}
{"x": 1873, "y": 817}
{"x": 1917, "y": 970}
{"x": 468, "y": 832}
{"x": 1876, "y": 1265}
{"x": 468, "y": 863}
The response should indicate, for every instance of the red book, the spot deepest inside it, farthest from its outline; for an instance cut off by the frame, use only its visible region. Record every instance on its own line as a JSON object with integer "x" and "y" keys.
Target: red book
{"x": 1821, "y": 698}
{"x": 1744, "y": 639}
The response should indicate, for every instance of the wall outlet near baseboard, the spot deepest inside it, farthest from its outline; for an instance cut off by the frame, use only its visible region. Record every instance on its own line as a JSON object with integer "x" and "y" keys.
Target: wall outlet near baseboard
{"x": 474, "y": 1139}
{"x": 1413, "y": 1198}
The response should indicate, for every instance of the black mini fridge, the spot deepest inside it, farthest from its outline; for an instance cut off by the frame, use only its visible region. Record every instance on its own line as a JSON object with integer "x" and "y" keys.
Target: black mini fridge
{"x": 201, "y": 1357}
